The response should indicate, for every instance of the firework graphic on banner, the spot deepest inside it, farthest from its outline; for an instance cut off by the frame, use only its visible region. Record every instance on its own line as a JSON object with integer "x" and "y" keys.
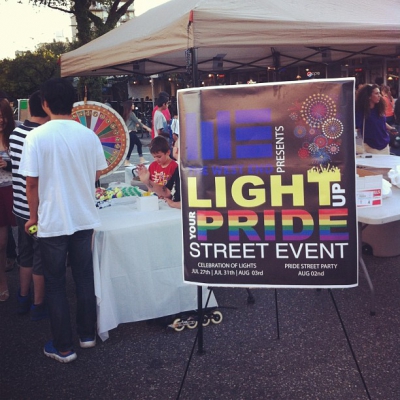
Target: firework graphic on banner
{"x": 318, "y": 127}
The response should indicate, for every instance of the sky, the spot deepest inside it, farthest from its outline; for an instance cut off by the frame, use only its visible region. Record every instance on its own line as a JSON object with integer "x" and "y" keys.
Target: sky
{"x": 24, "y": 26}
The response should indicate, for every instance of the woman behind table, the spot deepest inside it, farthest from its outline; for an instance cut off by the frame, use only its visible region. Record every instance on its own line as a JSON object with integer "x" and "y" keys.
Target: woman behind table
{"x": 371, "y": 120}
{"x": 389, "y": 101}
{"x": 132, "y": 123}
{"x": 7, "y": 125}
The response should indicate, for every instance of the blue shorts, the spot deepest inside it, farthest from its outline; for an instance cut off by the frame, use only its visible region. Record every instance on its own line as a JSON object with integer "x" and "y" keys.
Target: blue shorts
{"x": 28, "y": 249}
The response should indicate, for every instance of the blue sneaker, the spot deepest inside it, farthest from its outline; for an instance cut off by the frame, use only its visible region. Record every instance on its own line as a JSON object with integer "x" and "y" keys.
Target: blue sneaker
{"x": 87, "y": 342}
{"x": 39, "y": 312}
{"x": 24, "y": 303}
{"x": 52, "y": 352}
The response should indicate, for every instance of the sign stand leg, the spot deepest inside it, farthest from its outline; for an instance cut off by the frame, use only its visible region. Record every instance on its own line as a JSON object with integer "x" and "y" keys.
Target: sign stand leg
{"x": 349, "y": 344}
{"x": 200, "y": 313}
{"x": 363, "y": 266}
{"x": 199, "y": 335}
{"x": 250, "y": 297}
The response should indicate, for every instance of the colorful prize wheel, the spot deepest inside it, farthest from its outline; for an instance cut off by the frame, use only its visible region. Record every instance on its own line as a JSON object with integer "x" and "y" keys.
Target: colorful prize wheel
{"x": 108, "y": 125}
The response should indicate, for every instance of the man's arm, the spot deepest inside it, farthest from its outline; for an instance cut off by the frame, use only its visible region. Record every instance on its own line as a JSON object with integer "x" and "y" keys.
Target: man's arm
{"x": 98, "y": 174}
{"x": 32, "y": 195}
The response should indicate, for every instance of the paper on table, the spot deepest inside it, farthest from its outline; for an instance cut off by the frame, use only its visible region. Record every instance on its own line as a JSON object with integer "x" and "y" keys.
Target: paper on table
{"x": 369, "y": 191}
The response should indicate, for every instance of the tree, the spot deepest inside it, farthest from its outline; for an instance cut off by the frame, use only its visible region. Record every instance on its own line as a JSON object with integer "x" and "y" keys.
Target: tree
{"x": 21, "y": 76}
{"x": 89, "y": 25}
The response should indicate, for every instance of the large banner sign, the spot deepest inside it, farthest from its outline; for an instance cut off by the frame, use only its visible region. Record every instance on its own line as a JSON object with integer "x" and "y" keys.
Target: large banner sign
{"x": 268, "y": 184}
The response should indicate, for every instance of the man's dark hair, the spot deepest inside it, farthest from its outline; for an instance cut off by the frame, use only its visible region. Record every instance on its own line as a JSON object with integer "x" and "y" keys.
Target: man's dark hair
{"x": 159, "y": 143}
{"x": 59, "y": 95}
{"x": 35, "y": 105}
{"x": 162, "y": 100}
{"x": 165, "y": 94}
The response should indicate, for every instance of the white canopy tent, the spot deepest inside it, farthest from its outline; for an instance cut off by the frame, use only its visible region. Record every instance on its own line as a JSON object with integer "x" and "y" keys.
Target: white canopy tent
{"x": 234, "y": 35}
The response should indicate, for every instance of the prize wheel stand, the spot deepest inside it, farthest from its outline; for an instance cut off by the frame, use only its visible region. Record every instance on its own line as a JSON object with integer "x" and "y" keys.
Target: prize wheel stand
{"x": 110, "y": 128}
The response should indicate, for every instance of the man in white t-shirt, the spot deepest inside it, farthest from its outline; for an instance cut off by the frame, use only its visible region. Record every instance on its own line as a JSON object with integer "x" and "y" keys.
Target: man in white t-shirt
{"x": 61, "y": 160}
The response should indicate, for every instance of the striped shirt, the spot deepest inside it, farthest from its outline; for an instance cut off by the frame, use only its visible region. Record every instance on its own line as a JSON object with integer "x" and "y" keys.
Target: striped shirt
{"x": 17, "y": 140}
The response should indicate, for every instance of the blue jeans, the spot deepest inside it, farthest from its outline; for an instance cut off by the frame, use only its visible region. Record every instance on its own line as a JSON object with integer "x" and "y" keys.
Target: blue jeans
{"x": 54, "y": 252}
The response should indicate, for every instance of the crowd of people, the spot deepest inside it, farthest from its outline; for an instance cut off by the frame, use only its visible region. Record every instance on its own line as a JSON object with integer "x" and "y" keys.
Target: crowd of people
{"x": 48, "y": 168}
{"x": 62, "y": 160}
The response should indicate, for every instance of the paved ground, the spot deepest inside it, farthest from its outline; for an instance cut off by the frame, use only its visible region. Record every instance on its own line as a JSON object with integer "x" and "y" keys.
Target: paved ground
{"x": 243, "y": 360}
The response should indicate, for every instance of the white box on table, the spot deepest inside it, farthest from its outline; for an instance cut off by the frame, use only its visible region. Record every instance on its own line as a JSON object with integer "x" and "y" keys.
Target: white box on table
{"x": 147, "y": 203}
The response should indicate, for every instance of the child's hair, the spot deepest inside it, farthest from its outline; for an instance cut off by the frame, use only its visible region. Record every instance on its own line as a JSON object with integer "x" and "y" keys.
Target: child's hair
{"x": 162, "y": 100}
{"x": 159, "y": 143}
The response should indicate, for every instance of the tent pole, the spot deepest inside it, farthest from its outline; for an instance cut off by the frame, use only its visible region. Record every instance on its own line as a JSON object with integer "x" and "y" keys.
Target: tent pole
{"x": 384, "y": 71}
{"x": 398, "y": 81}
{"x": 152, "y": 91}
{"x": 200, "y": 311}
{"x": 195, "y": 71}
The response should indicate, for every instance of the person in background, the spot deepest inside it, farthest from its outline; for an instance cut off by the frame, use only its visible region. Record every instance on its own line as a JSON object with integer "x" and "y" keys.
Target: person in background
{"x": 132, "y": 123}
{"x": 7, "y": 219}
{"x": 28, "y": 248}
{"x": 12, "y": 231}
{"x": 61, "y": 160}
{"x": 162, "y": 177}
{"x": 371, "y": 120}
{"x": 397, "y": 112}
{"x": 175, "y": 138}
{"x": 389, "y": 102}
{"x": 165, "y": 112}
{"x": 160, "y": 123}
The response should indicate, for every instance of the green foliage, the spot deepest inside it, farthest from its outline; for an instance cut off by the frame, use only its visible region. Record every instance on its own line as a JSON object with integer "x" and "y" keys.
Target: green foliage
{"x": 89, "y": 26}
{"x": 24, "y": 74}
{"x": 90, "y": 88}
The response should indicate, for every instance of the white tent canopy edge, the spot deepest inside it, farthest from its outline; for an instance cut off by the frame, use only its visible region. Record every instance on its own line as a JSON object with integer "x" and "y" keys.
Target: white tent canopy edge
{"x": 241, "y": 35}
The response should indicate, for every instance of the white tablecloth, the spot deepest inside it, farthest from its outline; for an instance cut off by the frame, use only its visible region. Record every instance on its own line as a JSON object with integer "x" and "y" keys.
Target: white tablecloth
{"x": 137, "y": 261}
{"x": 390, "y": 209}
{"x": 382, "y": 225}
{"x": 377, "y": 161}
